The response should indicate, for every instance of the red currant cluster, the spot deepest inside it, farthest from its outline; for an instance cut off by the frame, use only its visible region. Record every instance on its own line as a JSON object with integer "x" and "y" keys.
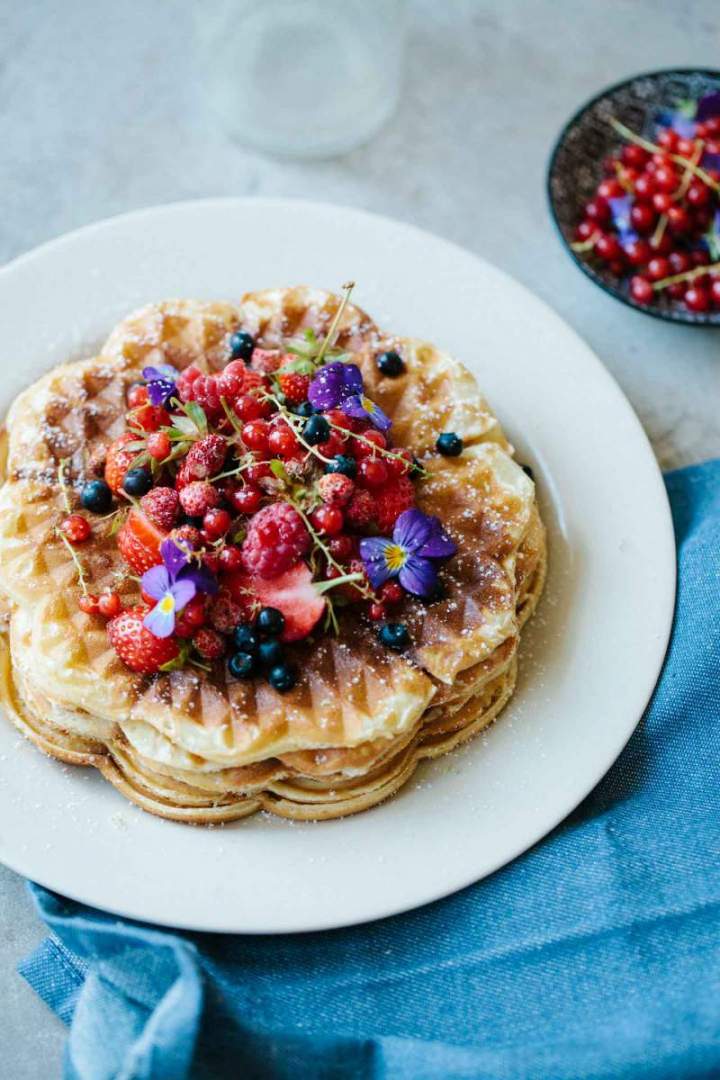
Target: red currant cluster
{"x": 654, "y": 216}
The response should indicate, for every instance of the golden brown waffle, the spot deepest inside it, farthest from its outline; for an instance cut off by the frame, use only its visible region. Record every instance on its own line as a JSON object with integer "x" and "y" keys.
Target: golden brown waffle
{"x": 205, "y": 747}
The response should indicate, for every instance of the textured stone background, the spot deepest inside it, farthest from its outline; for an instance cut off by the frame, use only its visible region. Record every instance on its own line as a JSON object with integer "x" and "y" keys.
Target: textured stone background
{"x": 102, "y": 110}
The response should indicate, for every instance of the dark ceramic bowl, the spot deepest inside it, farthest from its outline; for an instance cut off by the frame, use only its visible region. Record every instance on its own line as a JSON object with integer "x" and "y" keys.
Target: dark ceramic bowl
{"x": 576, "y": 167}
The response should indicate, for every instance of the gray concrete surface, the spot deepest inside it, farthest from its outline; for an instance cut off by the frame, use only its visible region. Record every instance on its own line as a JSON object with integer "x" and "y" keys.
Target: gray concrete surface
{"x": 102, "y": 110}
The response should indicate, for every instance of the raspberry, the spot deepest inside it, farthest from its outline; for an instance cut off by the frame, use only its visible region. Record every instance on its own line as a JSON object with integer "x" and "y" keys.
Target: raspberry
{"x": 391, "y": 500}
{"x": 225, "y": 613}
{"x": 335, "y": 488}
{"x": 161, "y": 506}
{"x": 207, "y": 396}
{"x": 294, "y": 386}
{"x": 276, "y": 539}
{"x": 254, "y": 380}
{"x": 209, "y": 644}
{"x": 184, "y": 477}
{"x": 231, "y": 381}
{"x": 198, "y": 497}
{"x": 186, "y": 381}
{"x": 205, "y": 458}
{"x": 265, "y": 360}
{"x": 360, "y": 510}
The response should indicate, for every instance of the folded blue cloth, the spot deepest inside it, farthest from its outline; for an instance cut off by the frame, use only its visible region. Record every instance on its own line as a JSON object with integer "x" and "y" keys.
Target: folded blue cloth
{"x": 596, "y": 954}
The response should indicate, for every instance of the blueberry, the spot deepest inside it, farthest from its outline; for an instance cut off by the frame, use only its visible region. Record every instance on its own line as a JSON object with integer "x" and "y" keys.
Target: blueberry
{"x": 391, "y": 363}
{"x": 241, "y": 345}
{"x": 528, "y": 472}
{"x": 449, "y": 444}
{"x": 282, "y": 677}
{"x": 316, "y": 430}
{"x": 137, "y": 481}
{"x": 439, "y": 593}
{"x": 394, "y": 636}
{"x": 305, "y": 409}
{"x": 245, "y": 638}
{"x": 270, "y": 622}
{"x": 270, "y": 652}
{"x": 242, "y": 665}
{"x": 96, "y": 497}
{"x": 342, "y": 464}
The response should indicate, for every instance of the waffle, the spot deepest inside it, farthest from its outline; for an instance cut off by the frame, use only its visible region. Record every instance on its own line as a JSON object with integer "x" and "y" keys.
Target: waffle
{"x": 201, "y": 746}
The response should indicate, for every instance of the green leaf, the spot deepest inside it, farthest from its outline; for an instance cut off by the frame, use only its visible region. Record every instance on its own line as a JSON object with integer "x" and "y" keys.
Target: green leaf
{"x": 303, "y": 366}
{"x": 141, "y": 459}
{"x": 278, "y": 469}
{"x": 137, "y": 444}
{"x": 180, "y": 660}
{"x": 712, "y": 238}
{"x": 686, "y": 107}
{"x": 118, "y": 522}
{"x": 198, "y": 417}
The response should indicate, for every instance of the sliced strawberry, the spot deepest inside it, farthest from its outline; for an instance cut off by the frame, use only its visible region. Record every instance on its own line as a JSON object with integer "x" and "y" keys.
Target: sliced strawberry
{"x": 138, "y": 649}
{"x": 292, "y": 593}
{"x": 139, "y": 542}
{"x": 119, "y": 460}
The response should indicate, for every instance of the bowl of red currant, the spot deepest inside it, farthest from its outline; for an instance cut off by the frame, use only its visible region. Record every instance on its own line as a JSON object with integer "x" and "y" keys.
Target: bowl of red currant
{"x": 634, "y": 190}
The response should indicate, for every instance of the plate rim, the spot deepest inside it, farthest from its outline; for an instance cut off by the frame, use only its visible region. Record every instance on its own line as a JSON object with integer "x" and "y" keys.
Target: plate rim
{"x": 602, "y": 765}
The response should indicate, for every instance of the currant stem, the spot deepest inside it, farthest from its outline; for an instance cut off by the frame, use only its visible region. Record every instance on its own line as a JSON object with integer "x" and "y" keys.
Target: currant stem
{"x": 329, "y": 337}
{"x": 78, "y": 565}
{"x": 326, "y": 551}
{"x": 688, "y": 275}
{"x": 62, "y": 481}
{"x": 652, "y": 148}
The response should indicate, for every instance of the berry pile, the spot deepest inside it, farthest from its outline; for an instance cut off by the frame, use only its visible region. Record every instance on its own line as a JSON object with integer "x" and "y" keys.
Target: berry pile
{"x": 654, "y": 220}
{"x": 246, "y": 497}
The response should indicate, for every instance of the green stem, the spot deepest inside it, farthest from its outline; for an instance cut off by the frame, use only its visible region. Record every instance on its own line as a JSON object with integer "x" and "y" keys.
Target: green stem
{"x": 327, "y": 342}
{"x": 688, "y": 275}
{"x": 75, "y": 558}
{"x": 367, "y": 593}
{"x": 652, "y": 148}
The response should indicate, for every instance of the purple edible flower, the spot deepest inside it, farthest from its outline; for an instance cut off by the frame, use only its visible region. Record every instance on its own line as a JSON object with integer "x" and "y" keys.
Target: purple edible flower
{"x": 417, "y": 539}
{"x": 340, "y": 386}
{"x": 708, "y": 106}
{"x": 710, "y": 161}
{"x": 173, "y": 584}
{"x": 160, "y": 383}
{"x": 620, "y": 208}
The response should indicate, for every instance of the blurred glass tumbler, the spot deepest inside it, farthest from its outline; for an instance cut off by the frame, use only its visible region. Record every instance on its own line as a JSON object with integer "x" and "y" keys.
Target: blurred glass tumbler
{"x": 304, "y": 78}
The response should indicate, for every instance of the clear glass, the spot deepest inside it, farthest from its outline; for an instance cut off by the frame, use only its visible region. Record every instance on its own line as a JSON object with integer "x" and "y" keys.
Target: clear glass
{"x": 305, "y": 78}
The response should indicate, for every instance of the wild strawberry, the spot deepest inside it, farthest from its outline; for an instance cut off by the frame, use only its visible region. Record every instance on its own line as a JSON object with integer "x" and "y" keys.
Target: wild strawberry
{"x": 188, "y": 536}
{"x": 138, "y": 649}
{"x": 292, "y": 593}
{"x": 161, "y": 506}
{"x": 360, "y": 511}
{"x": 276, "y": 539}
{"x": 206, "y": 457}
{"x": 265, "y": 360}
{"x": 225, "y": 613}
{"x": 294, "y": 386}
{"x": 76, "y": 528}
{"x": 209, "y": 644}
{"x": 199, "y": 497}
{"x": 335, "y": 488}
{"x": 139, "y": 542}
{"x": 118, "y": 461}
{"x": 158, "y": 445}
{"x": 391, "y": 501}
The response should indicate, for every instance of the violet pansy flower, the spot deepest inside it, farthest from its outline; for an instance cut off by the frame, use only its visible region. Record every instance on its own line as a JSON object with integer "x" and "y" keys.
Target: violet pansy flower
{"x": 340, "y": 386}
{"x": 620, "y": 208}
{"x": 418, "y": 539}
{"x": 160, "y": 383}
{"x": 173, "y": 584}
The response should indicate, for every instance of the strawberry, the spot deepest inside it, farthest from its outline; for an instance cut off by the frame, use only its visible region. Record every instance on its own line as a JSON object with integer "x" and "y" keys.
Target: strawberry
{"x": 119, "y": 460}
{"x": 294, "y": 386}
{"x": 206, "y": 457}
{"x": 292, "y": 593}
{"x": 161, "y": 505}
{"x": 139, "y": 542}
{"x": 138, "y": 649}
{"x": 209, "y": 643}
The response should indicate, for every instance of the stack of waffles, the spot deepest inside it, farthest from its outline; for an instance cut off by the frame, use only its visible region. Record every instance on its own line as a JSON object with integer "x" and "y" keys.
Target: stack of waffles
{"x": 200, "y": 746}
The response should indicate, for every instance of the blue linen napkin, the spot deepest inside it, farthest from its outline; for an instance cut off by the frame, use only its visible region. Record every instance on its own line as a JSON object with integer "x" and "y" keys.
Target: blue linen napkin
{"x": 596, "y": 954}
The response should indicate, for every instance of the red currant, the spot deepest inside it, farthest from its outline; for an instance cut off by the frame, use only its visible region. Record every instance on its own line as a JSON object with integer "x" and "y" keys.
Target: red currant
{"x": 641, "y": 290}
{"x": 256, "y": 472}
{"x": 338, "y": 419}
{"x": 667, "y": 138}
{"x": 642, "y": 217}
{"x": 610, "y": 189}
{"x": 377, "y": 612}
{"x": 666, "y": 179}
{"x": 697, "y": 298}
{"x": 341, "y": 547}
{"x": 366, "y": 446}
{"x": 109, "y": 604}
{"x": 333, "y": 446}
{"x": 678, "y": 219}
{"x": 76, "y": 528}
{"x": 715, "y": 291}
{"x": 328, "y": 520}
{"x": 634, "y": 156}
{"x": 608, "y": 247}
{"x": 246, "y": 500}
{"x": 585, "y": 230}
{"x": 194, "y": 613}
{"x": 638, "y": 252}
{"x": 249, "y": 407}
{"x": 398, "y": 466}
{"x": 679, "y": 261}
{"x": 255, "y": 434}
{"x": 230, "y": 559}
{"x": 685, "y": 147}
{"x": 282, "y": 442}
{"x": 598, "y": 211}
{"x": 216, "y": 523}
{"x": 645, "y": 185}
{"x": 158, "y": 445}
{"x": 373, "y": 472}
{"x": 89, "y": 604}
{"x": 662, "y": 202}
{"x": 698, "y": 194}
{"x": 658, "y": 268}
{"x": 391, "y": 592}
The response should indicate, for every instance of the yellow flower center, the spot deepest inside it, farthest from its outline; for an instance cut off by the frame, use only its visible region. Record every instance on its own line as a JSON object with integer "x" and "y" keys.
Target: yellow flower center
{"x": 366, "y": 403}
{"x": 395, "y": 557}
{"x": 167, "y": 604}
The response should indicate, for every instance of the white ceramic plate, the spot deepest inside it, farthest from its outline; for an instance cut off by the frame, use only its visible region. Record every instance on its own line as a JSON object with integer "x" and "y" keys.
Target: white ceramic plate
{"x": 590, "y": 657}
